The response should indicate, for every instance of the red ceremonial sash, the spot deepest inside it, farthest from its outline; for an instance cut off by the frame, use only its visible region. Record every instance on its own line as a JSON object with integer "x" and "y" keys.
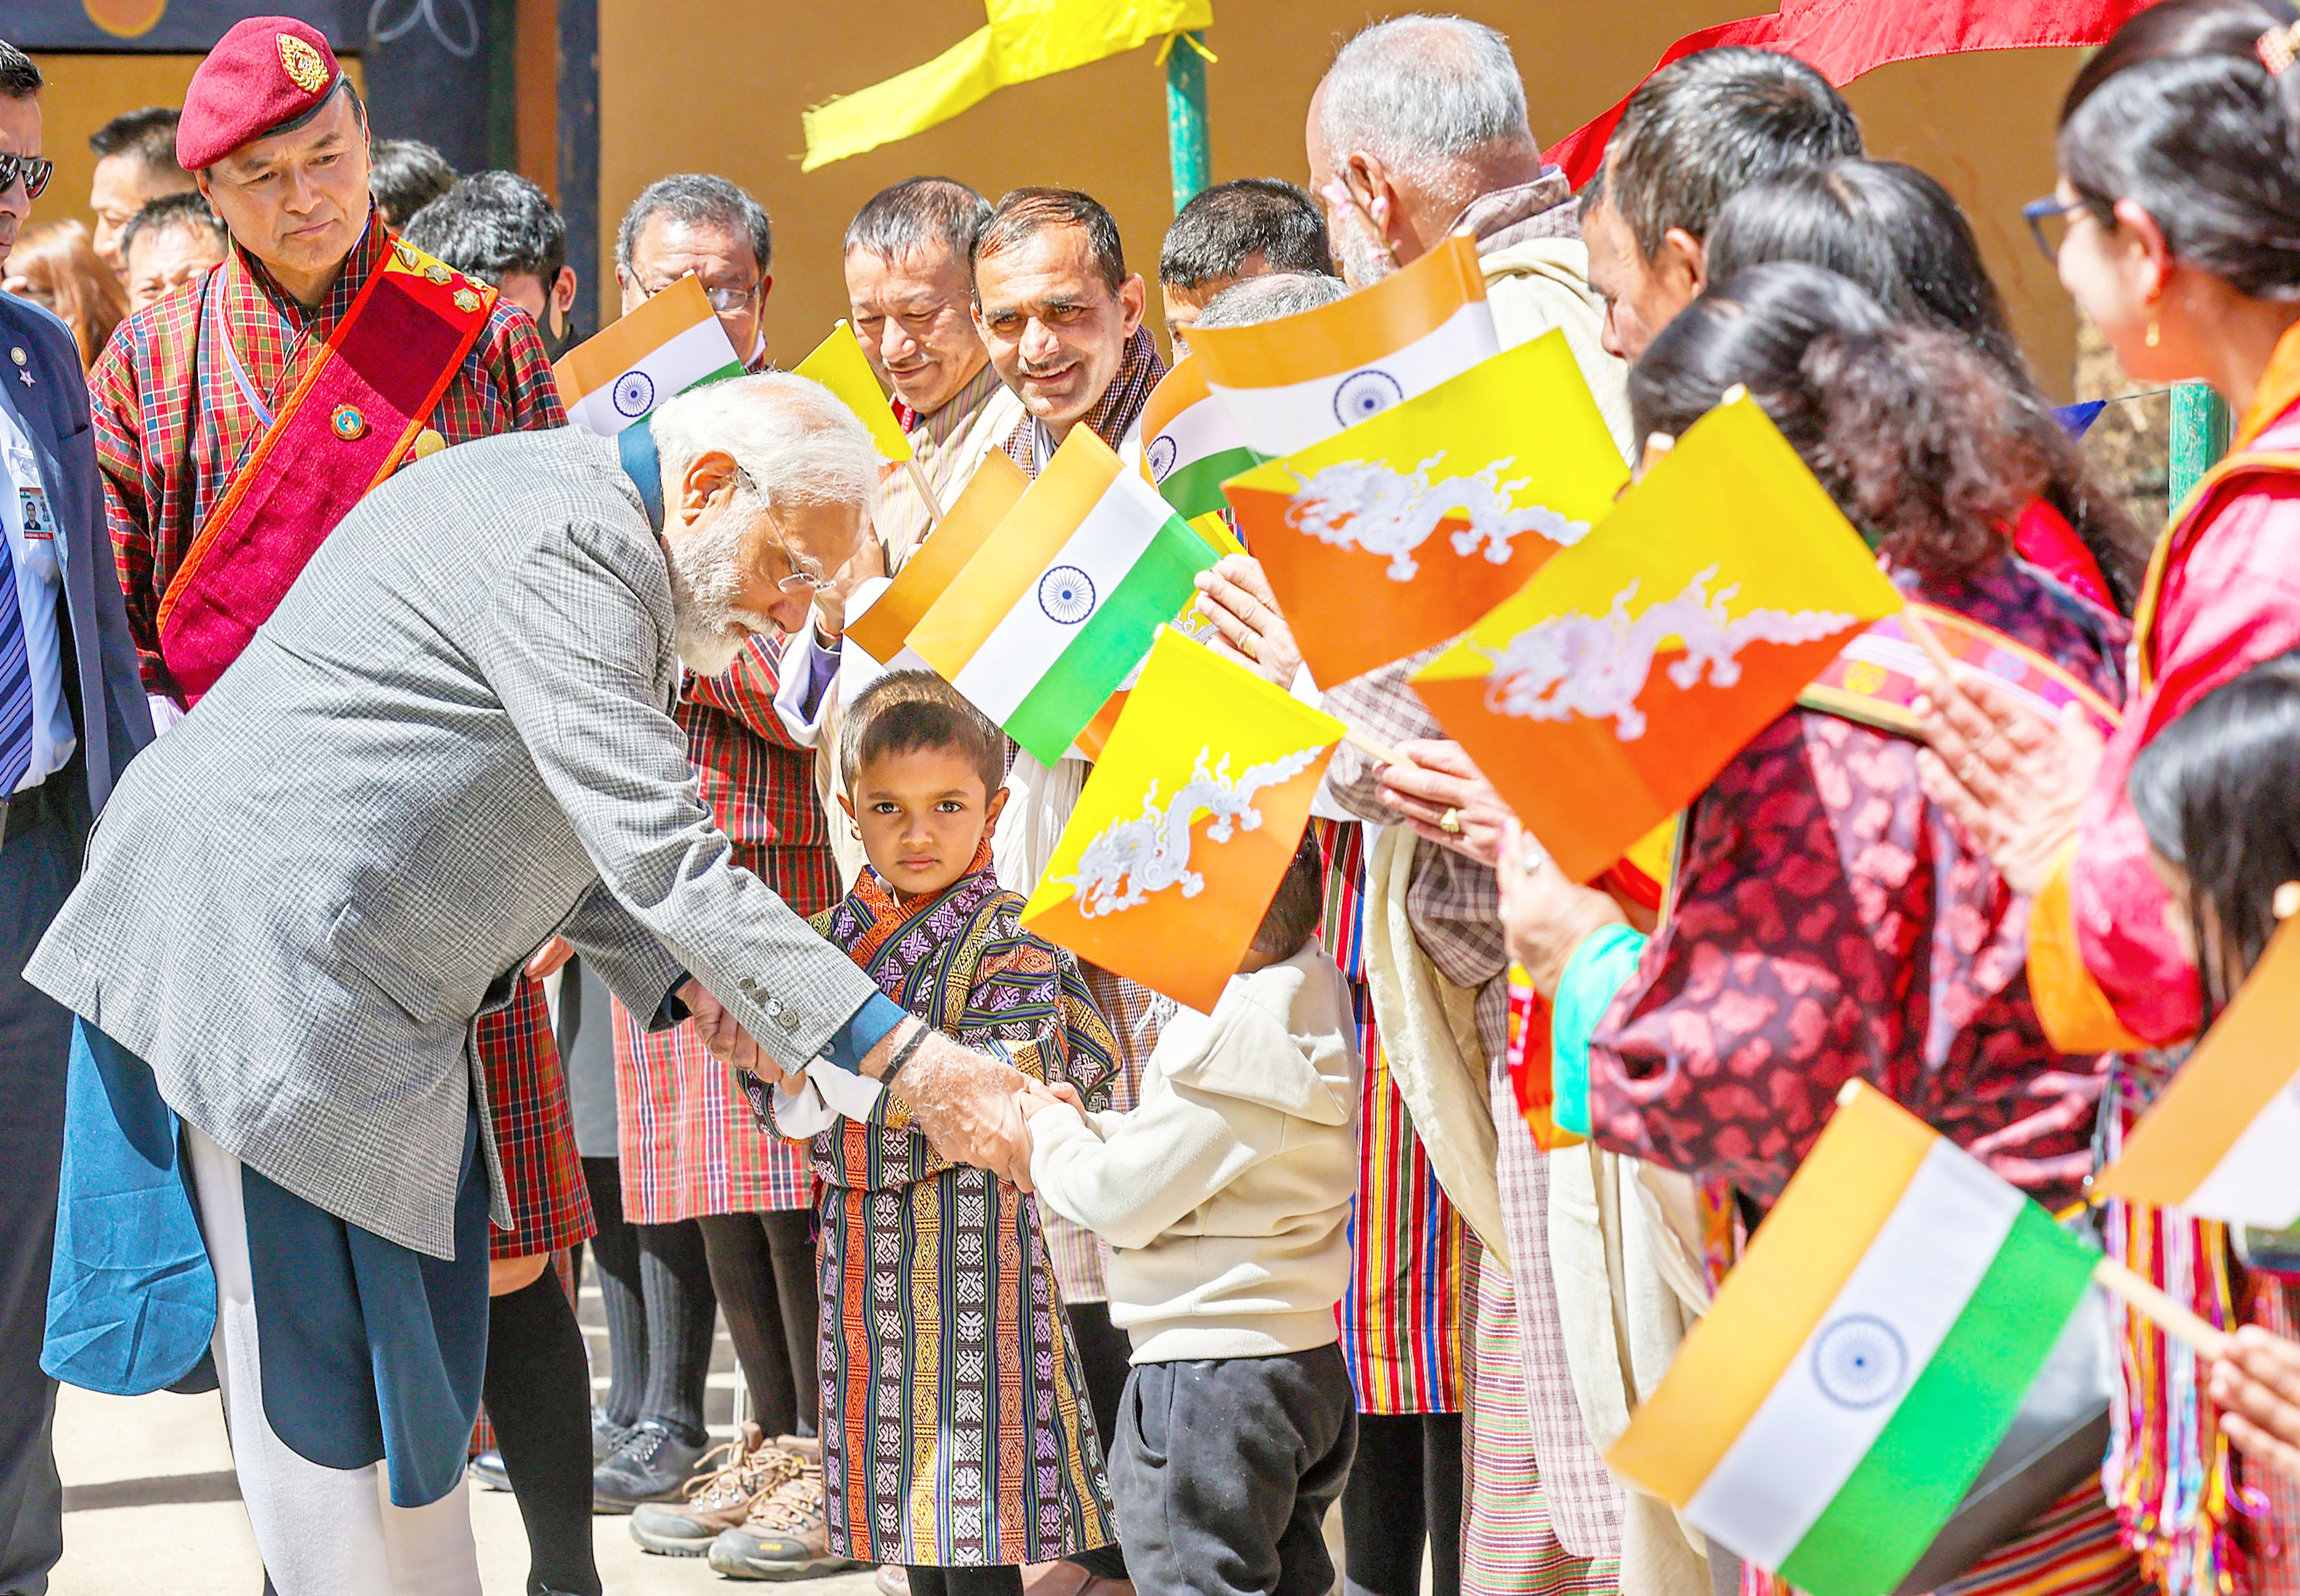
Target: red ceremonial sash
{"x": 1874, "y": 681}
{"x": 349, "y": 422}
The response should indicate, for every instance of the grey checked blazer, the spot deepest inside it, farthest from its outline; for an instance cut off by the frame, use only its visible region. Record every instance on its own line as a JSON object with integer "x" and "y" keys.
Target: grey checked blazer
{"x": 451, "y": 740}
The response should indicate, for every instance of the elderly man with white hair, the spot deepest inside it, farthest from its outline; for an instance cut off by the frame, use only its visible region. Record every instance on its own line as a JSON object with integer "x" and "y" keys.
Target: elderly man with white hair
{"x": 1419, "y": 130}
{"x": 451, "y": 741}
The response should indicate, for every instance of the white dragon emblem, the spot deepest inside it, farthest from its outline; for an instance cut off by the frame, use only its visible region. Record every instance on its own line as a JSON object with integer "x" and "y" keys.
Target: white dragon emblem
{"x": 1363, "y": 503}
{"x": 1127, "y": 861}
{"x": 1595, "y": 666}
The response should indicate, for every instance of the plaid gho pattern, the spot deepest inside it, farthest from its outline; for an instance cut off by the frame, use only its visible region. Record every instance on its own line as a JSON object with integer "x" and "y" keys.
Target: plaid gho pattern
{"x": 535, "y": 1130}
{"x": 691, "y": 1144}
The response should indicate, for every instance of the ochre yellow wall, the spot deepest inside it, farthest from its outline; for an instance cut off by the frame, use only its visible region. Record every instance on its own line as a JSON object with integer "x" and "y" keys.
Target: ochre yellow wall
{"x": 710, "y": 85}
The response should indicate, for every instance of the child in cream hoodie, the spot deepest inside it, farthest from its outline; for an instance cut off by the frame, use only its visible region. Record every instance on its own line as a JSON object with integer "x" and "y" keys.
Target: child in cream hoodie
{"x": 1226, "y": 1196}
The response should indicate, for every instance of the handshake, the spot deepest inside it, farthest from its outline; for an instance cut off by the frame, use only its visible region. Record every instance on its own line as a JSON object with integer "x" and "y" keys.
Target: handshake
{"x": 972, "y": 1108}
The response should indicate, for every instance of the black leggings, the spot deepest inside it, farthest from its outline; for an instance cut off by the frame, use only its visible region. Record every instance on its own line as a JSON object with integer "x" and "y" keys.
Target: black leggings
{"x": 1106, "y": 1354}
{"x": 1405, "y": 1490}
{"x": 1001, "y": 1581}
{"x": 539, "y": 1393}
{"x": 762, "y": 1268}
{"x": 655, "y": 1286}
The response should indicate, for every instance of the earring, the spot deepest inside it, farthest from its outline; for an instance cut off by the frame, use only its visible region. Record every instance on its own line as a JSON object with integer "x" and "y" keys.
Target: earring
{"x": 2154, "y": 335}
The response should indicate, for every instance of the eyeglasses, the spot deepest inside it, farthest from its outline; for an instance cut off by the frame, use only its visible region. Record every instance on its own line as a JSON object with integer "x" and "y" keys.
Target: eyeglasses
{"x": 800, "y": 579}
{"x": 2048, "y": 221}
{"x": 725, "y": 302}
{"x": 33, "y": 169}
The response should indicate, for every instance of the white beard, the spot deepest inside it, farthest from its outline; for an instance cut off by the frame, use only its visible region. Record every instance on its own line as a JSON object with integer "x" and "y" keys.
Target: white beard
{"x": 709, "y": 628}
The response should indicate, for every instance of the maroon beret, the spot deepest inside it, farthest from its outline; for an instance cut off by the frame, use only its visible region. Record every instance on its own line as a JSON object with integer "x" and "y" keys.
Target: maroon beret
{"x": 267, "y": 71}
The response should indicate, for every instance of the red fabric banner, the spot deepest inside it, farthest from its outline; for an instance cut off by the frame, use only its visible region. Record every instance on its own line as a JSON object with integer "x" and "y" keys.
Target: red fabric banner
{"x": 1843, "y": 38}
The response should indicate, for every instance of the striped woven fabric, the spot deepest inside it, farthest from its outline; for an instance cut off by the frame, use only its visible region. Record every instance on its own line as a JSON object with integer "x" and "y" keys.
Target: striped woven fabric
{"x": 1509, "y": 1544}
{"x": 2073, "y": 1549}
{"x": 1401, "y": 1314}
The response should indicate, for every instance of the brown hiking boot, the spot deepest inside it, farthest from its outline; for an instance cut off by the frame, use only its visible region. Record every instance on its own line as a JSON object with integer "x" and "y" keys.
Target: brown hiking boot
{"x": 786, "y": 1535}
{"x": 719, "y": 1497}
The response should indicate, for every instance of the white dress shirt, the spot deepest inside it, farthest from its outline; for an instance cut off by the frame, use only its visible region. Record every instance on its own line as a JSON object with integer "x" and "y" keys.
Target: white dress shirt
{"x": 35, "y": 550}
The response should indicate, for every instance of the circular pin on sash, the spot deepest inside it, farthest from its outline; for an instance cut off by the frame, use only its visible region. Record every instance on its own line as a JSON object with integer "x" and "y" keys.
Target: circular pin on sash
{"x": 429, "y": 442}
{"x": 348, "y": 424}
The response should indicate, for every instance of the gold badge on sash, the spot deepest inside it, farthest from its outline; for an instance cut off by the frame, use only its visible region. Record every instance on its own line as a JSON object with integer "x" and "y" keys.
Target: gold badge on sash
{"x": 347, "y": 423}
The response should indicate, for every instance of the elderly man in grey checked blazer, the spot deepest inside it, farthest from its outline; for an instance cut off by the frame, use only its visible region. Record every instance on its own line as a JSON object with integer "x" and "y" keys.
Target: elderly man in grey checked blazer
{"x": 450, "y": 742}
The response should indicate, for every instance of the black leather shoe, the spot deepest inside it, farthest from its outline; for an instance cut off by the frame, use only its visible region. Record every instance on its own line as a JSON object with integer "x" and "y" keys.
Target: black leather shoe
{"x": 487, "y": 1472}
{"x": 651, "y": 1464}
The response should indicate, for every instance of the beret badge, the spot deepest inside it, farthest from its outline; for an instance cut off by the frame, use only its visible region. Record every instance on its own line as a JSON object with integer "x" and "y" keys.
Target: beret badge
{"x": 304, "y": 66}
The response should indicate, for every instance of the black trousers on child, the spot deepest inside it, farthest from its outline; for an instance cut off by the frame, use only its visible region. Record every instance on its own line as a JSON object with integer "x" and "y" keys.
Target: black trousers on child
{"x": 1223, "y": 1470}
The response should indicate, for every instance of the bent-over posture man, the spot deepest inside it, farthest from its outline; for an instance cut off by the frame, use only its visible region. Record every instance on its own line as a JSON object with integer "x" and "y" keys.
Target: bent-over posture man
{"x": 451, "y": 740}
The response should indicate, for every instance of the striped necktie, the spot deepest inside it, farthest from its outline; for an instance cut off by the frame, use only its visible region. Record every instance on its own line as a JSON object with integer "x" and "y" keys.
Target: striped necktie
{"x": 15, "y": 680}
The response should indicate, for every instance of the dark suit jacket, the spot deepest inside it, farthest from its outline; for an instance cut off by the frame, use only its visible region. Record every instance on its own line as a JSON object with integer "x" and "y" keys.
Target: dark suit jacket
{"x": 114, "y": 721}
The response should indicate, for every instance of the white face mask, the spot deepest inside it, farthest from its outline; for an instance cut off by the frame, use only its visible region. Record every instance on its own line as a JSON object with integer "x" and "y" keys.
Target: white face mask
{"x": 708, "y": 626}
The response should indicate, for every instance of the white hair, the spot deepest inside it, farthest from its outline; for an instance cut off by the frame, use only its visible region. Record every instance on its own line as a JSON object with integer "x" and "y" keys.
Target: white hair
{"x": 793, "y": 439}
{"x": 1268, "y": 297}
{"x": 793, "y": 442}
{"x": 1423, "y": 94}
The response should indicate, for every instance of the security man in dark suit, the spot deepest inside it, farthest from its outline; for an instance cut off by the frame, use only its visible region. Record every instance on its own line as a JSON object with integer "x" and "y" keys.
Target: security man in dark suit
{"x": 72, "y": 713}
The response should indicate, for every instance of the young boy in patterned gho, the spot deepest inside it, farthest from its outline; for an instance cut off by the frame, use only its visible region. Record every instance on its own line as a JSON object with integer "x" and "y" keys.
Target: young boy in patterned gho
{"x": 956, "y": 1436}
{"x": 1227, "y": 1196}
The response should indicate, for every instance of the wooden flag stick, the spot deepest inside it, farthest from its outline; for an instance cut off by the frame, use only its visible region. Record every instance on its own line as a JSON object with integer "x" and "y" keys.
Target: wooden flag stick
{"x": 926, "y": 492}
{"x": 1381, "y": 752}
{"x": 1929, "y": 641}
{"x": 2159, "y": 1309}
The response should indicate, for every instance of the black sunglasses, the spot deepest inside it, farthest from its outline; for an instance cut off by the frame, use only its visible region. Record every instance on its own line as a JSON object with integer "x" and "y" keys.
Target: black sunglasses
{"x": 35, "y": 171}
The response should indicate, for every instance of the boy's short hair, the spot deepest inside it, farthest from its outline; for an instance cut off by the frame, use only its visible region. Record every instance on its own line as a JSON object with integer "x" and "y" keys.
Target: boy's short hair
{"x": 1293, "y": 915}
{"x": 1224, "y": 227}
{"x": 907, "y": 710}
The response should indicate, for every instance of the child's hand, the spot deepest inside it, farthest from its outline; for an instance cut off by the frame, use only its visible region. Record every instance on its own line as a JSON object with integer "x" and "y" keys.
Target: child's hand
{"x": 1037, "y": 1097}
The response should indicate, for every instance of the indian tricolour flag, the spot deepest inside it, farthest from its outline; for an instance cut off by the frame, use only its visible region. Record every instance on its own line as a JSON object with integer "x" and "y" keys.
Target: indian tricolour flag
{"x": 1189, "y": 446}
{"x": 665, "y": 346}
{"x": 1289, "y": 383}
{"x": 2223, "y": 1141}
{"x": 1861, "y": 1363}
{"x": 1062, "y": 602}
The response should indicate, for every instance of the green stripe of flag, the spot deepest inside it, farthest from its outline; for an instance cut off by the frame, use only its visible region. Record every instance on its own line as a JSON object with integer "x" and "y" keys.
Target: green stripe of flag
{"x": 1195, "y": 489}
{"x": 1111, "y": 643}
{"x": 1886, "y": 1514}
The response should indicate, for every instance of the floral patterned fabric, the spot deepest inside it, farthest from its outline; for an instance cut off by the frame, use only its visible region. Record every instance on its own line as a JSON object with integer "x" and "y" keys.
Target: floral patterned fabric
{"x": 1829, "y": 923}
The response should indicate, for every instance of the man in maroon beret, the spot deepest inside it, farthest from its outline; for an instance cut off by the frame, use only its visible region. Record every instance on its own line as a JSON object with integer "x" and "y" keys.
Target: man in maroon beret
{"x": 237, "y": 420}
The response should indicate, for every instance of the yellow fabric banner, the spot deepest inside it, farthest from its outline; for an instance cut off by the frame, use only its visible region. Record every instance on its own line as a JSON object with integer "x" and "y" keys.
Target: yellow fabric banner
{"x": 1023, "y": 39}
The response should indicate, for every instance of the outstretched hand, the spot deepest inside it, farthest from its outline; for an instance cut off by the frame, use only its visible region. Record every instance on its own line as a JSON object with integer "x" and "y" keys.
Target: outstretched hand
{"x": 723, "y": 1035}
{"x": 968, "y": 1105}
{"x": 2014, "y": 780}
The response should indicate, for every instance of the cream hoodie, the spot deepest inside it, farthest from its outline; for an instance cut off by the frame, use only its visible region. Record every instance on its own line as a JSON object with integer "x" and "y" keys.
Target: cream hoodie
{"x": 1226, "y": 1194}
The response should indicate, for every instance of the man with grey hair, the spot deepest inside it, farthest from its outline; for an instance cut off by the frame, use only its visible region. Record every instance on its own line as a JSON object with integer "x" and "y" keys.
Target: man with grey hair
{"x": 1419, "y": 130}
{"x": 692, "y": 222}
{"x": 1268, "y": 297}
{"x": 450, "y": 742}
